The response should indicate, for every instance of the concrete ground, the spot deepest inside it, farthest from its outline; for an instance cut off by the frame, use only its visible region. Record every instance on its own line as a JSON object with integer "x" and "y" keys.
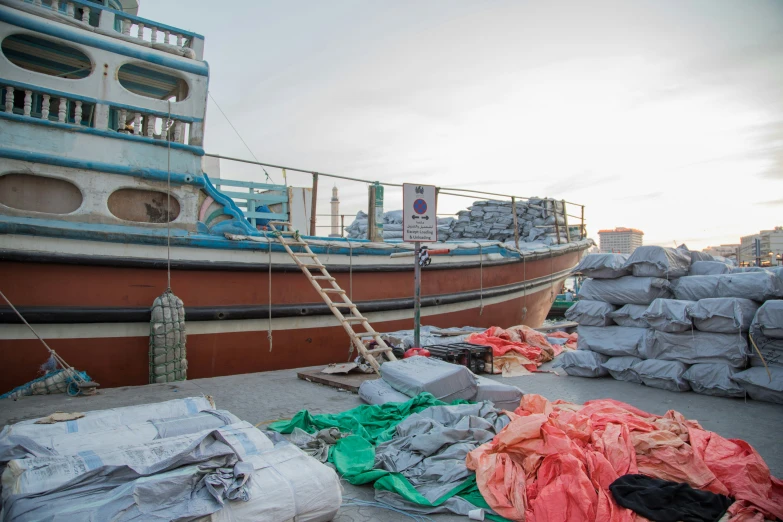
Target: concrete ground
{"x": 261, "y": 398}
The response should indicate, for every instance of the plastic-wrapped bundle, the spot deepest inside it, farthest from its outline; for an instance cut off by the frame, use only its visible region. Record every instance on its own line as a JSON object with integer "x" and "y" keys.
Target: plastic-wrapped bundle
{"x": 613, "y": 341}
{"x": 765, "y": 326}
{"x": 696, "y": 347}
{"x": 378, "y": 391}
{"x": 700, "y": 256}
{"x": 590, "y": 313}
{"x": 723, "y": 314}
{"x": 503, "y": 396}
{"x": 709, "y": 268}
{"x": 622, "y": 369}
{"x": 603, "y": 266}
{"x": 757, "y": 382}
{"x": 758, "y": 286}
{"x": 583, "y": 363}
{"x": 669, "y": 315}
{"x": 625, "y": 290}
{"x": 667, "y": 375}
{"x": 168, "y": 354}
{"x": 445, "y": 381}
{"x": 630, "y": 315}
{"x": 713, "y": 379}
{"x": 695, "y": 288}
{"x": 655, "y": 261}
{"x": 768, "y": 320}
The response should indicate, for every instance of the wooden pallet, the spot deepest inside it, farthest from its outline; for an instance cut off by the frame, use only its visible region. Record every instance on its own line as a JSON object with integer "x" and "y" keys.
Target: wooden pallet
{"x": 306, "y": 260}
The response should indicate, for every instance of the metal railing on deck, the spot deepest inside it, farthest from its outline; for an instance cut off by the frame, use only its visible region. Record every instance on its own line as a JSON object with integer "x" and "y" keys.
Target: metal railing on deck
{"x": 249, "y": 198}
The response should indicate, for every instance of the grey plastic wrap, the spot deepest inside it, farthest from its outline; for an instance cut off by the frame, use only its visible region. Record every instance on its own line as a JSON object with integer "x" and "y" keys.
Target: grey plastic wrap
{"x": 622, "y": 368}
{"x": 656, "y": 261}
{"x": 723, "y": 314}
{"x": 378, "y": 391}
{"x": 590, "y": 313}
{"x": 445, "y": 381}
{"x": 713, "y": 379}
{"x": 503, "y": 396}
{"x": 709, "y": 268}
{"x": 758, "y": 286}
{"x": 603, "y": 266}
{"x": 695, "y": 288}
{"x": 696, "y": 347}
{"x": 630, "y": 315}
{"x": 771, "y": 349}
{"x": 769, "y": 320}
{"x": 667, "y": 375}
{"x": 582, "y": 363}
{"x": 613, "y": 341}
{"x": 759, "y": 386}
{"x": 701, "y": 256}
{"x": 669, "y": 315}
{"x": 625, "y": 290}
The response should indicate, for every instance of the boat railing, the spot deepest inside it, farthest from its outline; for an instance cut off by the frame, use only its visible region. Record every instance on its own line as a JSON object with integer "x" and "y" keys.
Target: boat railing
{"x": 119, "y": 24}
{"x": 249, "y": 196}
{"x": 41, "y": 104}
{"x": 149, "y": 124}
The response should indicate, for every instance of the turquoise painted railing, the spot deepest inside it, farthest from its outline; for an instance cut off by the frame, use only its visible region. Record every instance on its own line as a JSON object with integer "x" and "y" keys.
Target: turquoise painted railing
{"x": 249, "y": 195}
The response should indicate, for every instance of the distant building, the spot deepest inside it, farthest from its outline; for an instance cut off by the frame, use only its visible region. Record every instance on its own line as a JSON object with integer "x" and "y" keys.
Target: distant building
{"x": 727, "y": 251}
{"x": 621, "y": 240}
{"x": 771, "y": 248}
{"x": 335, "y": 204}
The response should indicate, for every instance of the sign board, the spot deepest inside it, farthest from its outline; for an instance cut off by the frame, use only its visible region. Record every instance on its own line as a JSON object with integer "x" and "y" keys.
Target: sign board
{"x": 419, "y": 213}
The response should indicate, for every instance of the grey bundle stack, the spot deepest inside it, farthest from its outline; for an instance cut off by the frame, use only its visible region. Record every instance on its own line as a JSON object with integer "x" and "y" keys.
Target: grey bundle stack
{"x": 682, "y": 321}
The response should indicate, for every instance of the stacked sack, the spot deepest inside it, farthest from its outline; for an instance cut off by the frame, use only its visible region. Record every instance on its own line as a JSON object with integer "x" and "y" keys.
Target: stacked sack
{"x": 392, "y": 226}
{"x": 672, "y": 319}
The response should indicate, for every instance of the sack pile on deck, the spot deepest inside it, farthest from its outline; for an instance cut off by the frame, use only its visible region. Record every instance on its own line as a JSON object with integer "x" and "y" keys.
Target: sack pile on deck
{"x": 175, "y": 460}
{"x": 679, "y": 320}
{"x": 488, "y": 219}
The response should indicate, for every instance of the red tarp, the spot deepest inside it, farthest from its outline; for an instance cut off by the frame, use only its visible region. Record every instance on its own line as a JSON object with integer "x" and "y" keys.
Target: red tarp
{"x": 520, "y": 346}
{"x": 554, "y": 462}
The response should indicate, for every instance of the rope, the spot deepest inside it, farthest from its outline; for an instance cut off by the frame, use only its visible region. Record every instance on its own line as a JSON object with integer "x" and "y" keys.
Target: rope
{"x": 524, "y": 278}
{"x": 168, "y": 202}
{"x": 350, "y": 289}
{"x": 269, "y": 324}
{"x": 481, "y": 280}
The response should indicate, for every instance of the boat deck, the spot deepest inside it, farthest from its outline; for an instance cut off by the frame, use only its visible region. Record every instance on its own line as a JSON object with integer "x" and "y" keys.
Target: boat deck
{"x": 282, "y": 394}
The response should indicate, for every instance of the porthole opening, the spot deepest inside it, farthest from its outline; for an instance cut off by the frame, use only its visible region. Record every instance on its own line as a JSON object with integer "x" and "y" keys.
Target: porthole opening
{"x": 143, "y": 206}
{"x": 152, "y": 83}
{"x": 46, "y": 57}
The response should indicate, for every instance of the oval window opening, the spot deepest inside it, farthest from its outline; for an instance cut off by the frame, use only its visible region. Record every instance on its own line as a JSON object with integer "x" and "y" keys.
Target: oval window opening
{"x": 39, "y": 194}
{"x": 142, "y": 206}
{"x": 46, "y": 57}
{"x": 152, "y": 83}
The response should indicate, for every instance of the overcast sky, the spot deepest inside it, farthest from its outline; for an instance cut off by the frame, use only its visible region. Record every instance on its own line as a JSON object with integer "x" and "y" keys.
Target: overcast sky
{"x": 663, "y": 115}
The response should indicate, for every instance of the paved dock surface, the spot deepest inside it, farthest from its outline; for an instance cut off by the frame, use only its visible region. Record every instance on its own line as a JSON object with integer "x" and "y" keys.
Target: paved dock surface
{"x": 261, "y": 398}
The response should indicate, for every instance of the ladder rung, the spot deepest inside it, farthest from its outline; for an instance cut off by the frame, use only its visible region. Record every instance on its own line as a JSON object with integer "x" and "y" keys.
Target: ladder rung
{"x": 307, "y": 265}
{"x": 344, "y": 305}
{"x": 378, "y": 350}
{"x": 294, "y": 243}
{"x": 333, "y": 290}
{"x": 324, "y": 278}
{"x": 353, "y": 318}
{"x": 305, "y": 254}
{"x": 284, "y": 223}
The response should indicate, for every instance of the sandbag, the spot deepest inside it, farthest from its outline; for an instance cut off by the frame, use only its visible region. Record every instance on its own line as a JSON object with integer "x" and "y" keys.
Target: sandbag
{"x": 625, "y": 290}
{"x": 582, "y": 363}
{"x": 656, "y": 261}
{"x": 771, "y": 349}
{"x": 757, "y": 382}
{"x": 713, "y": 379}
{"x": 603, "y": 266}
{"x": 631, "y": 315}
{"x": 700, "y": 256}
{"x": 723, "y": 314}
{"x": 669, "y": 315}
{"x": 503, "y": 396}
{"x": 696, "y": 347}
{"x": 709, "y": 268}
{"x": 758, "y": 286}
{"x": 768, "y": 320}
{"x": 613, "y": 341}
{"x": 695, "y": 288}
{"x": 378, "y": 391}
{"x": 445, "y": 381}
{"x": 667, "y": 375}
{"x": 622, "y": 368}
{"x": 590, "y": 313}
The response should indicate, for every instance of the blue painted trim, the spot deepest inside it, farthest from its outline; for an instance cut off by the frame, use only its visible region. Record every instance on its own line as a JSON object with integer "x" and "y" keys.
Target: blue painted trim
{"x": 137, "y": 172}
{"x": 145, "y": 21}
{"x": 131, "y": 50}
{"x": 71, "y": 127}
{"x": 248, "y": 184}
{"x": 230, "y": 208}
{"x": 36, "y": 88}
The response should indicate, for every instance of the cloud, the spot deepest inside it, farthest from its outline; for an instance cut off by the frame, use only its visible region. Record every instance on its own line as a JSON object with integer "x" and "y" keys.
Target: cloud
{"x": 771, "y": 203}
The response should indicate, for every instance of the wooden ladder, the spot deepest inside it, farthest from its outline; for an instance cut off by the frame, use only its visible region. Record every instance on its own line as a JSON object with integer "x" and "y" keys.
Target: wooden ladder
{"x": 354, "y": 317}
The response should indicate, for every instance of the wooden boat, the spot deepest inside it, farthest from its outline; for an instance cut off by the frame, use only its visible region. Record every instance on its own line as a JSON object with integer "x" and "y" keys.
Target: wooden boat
{"x": 86, "y": 237}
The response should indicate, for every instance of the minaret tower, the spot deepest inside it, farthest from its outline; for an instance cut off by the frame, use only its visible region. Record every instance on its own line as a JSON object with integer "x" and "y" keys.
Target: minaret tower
{"x": 335, "y": 202}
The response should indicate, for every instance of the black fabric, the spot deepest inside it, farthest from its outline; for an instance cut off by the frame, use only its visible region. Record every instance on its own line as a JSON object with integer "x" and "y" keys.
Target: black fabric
{"x": 665, "y": 501}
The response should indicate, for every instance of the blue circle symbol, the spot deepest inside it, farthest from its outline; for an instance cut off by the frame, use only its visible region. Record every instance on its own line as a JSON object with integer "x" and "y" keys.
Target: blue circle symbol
{"x": 420, "y": 206}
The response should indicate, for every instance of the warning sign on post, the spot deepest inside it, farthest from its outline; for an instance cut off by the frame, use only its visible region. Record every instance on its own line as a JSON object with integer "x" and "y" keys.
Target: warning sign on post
{"x": 419, "y": 213}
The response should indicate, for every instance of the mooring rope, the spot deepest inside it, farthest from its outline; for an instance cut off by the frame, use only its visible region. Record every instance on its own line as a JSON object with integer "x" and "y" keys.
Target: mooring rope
{"x": 269, "y": 323}
{"x": 168, "y": 201}
{"x": 481, "y": 280}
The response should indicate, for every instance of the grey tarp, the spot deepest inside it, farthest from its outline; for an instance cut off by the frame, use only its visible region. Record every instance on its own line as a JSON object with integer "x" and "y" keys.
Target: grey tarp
{"x": 713, "y": 379}
{"x": 700, "y": 256}
{"x": 723, "y": 314}
{"x": 429, "y": 336}
{"x": 709, "y": 268}
{"x": 503, "y": 396}
{"x": 590, "y": 313}
{"x": 656, "y": 261}
{"x": 622, "y": 368}
{"x": 613, "y": 341}
{"x": 758, "y": 286}
{"x": 758, "y": 384}
{"x": 378, "y": 391}
{"x": 669, "y": 315}
{"x": 694, "y": 288}
{"x": 429, "y": 449}
{"x": 663, "y": 374}
{"x": 603, "y": 266}
{"x": 445, "y": 381}
{"x": 771, "y": 349}
{"x": 696, "y": 347}
{"x": 582, "y": 363}
{"x": 630, "y": 315}
{"x": 769, "y": 320}
{"x": 625, "y": 290}
{"x": 316, "y": 444}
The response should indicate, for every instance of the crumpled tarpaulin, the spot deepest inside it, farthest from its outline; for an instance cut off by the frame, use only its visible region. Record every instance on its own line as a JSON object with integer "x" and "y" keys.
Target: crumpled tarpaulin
{"x": 518, "y": 350}
{"x": 570, "y": 344}
{"x": 555, "y": 461}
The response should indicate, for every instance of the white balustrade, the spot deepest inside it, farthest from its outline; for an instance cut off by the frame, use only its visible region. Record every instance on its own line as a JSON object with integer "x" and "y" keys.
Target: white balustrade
{"x": 140, "y": 34}
{"x": 178, "y": 131}
{"x": 70, "y": 10}
{"x": 167, "y": 36}
{"x": 55, "y": 5}
{"x": 28, "y": 102}
{"x": 37, "y": 2}
{"x": 126, "y": 27}
{"x": 45, "y": 107}
{"x": 123, "y": 119}
{"x": 137, "y": 123}
{"x": 62, "y": 112}
{"x": 9, "y": 99}
{"x": 151, "y": 121}
{"x": 77, "y": 113}
{"x": 85, "y": 15}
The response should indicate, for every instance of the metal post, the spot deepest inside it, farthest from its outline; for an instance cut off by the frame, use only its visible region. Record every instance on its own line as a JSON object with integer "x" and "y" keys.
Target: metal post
{"x": 565, "y": 221}
{"x": 516, "y": 224}
{"x": 314, "y": 204}
{"x": 557, "y": 226}
{"x": 342, "y": 225}
{"x": 582, "y": 232}
{"x": 417, "y": 297}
